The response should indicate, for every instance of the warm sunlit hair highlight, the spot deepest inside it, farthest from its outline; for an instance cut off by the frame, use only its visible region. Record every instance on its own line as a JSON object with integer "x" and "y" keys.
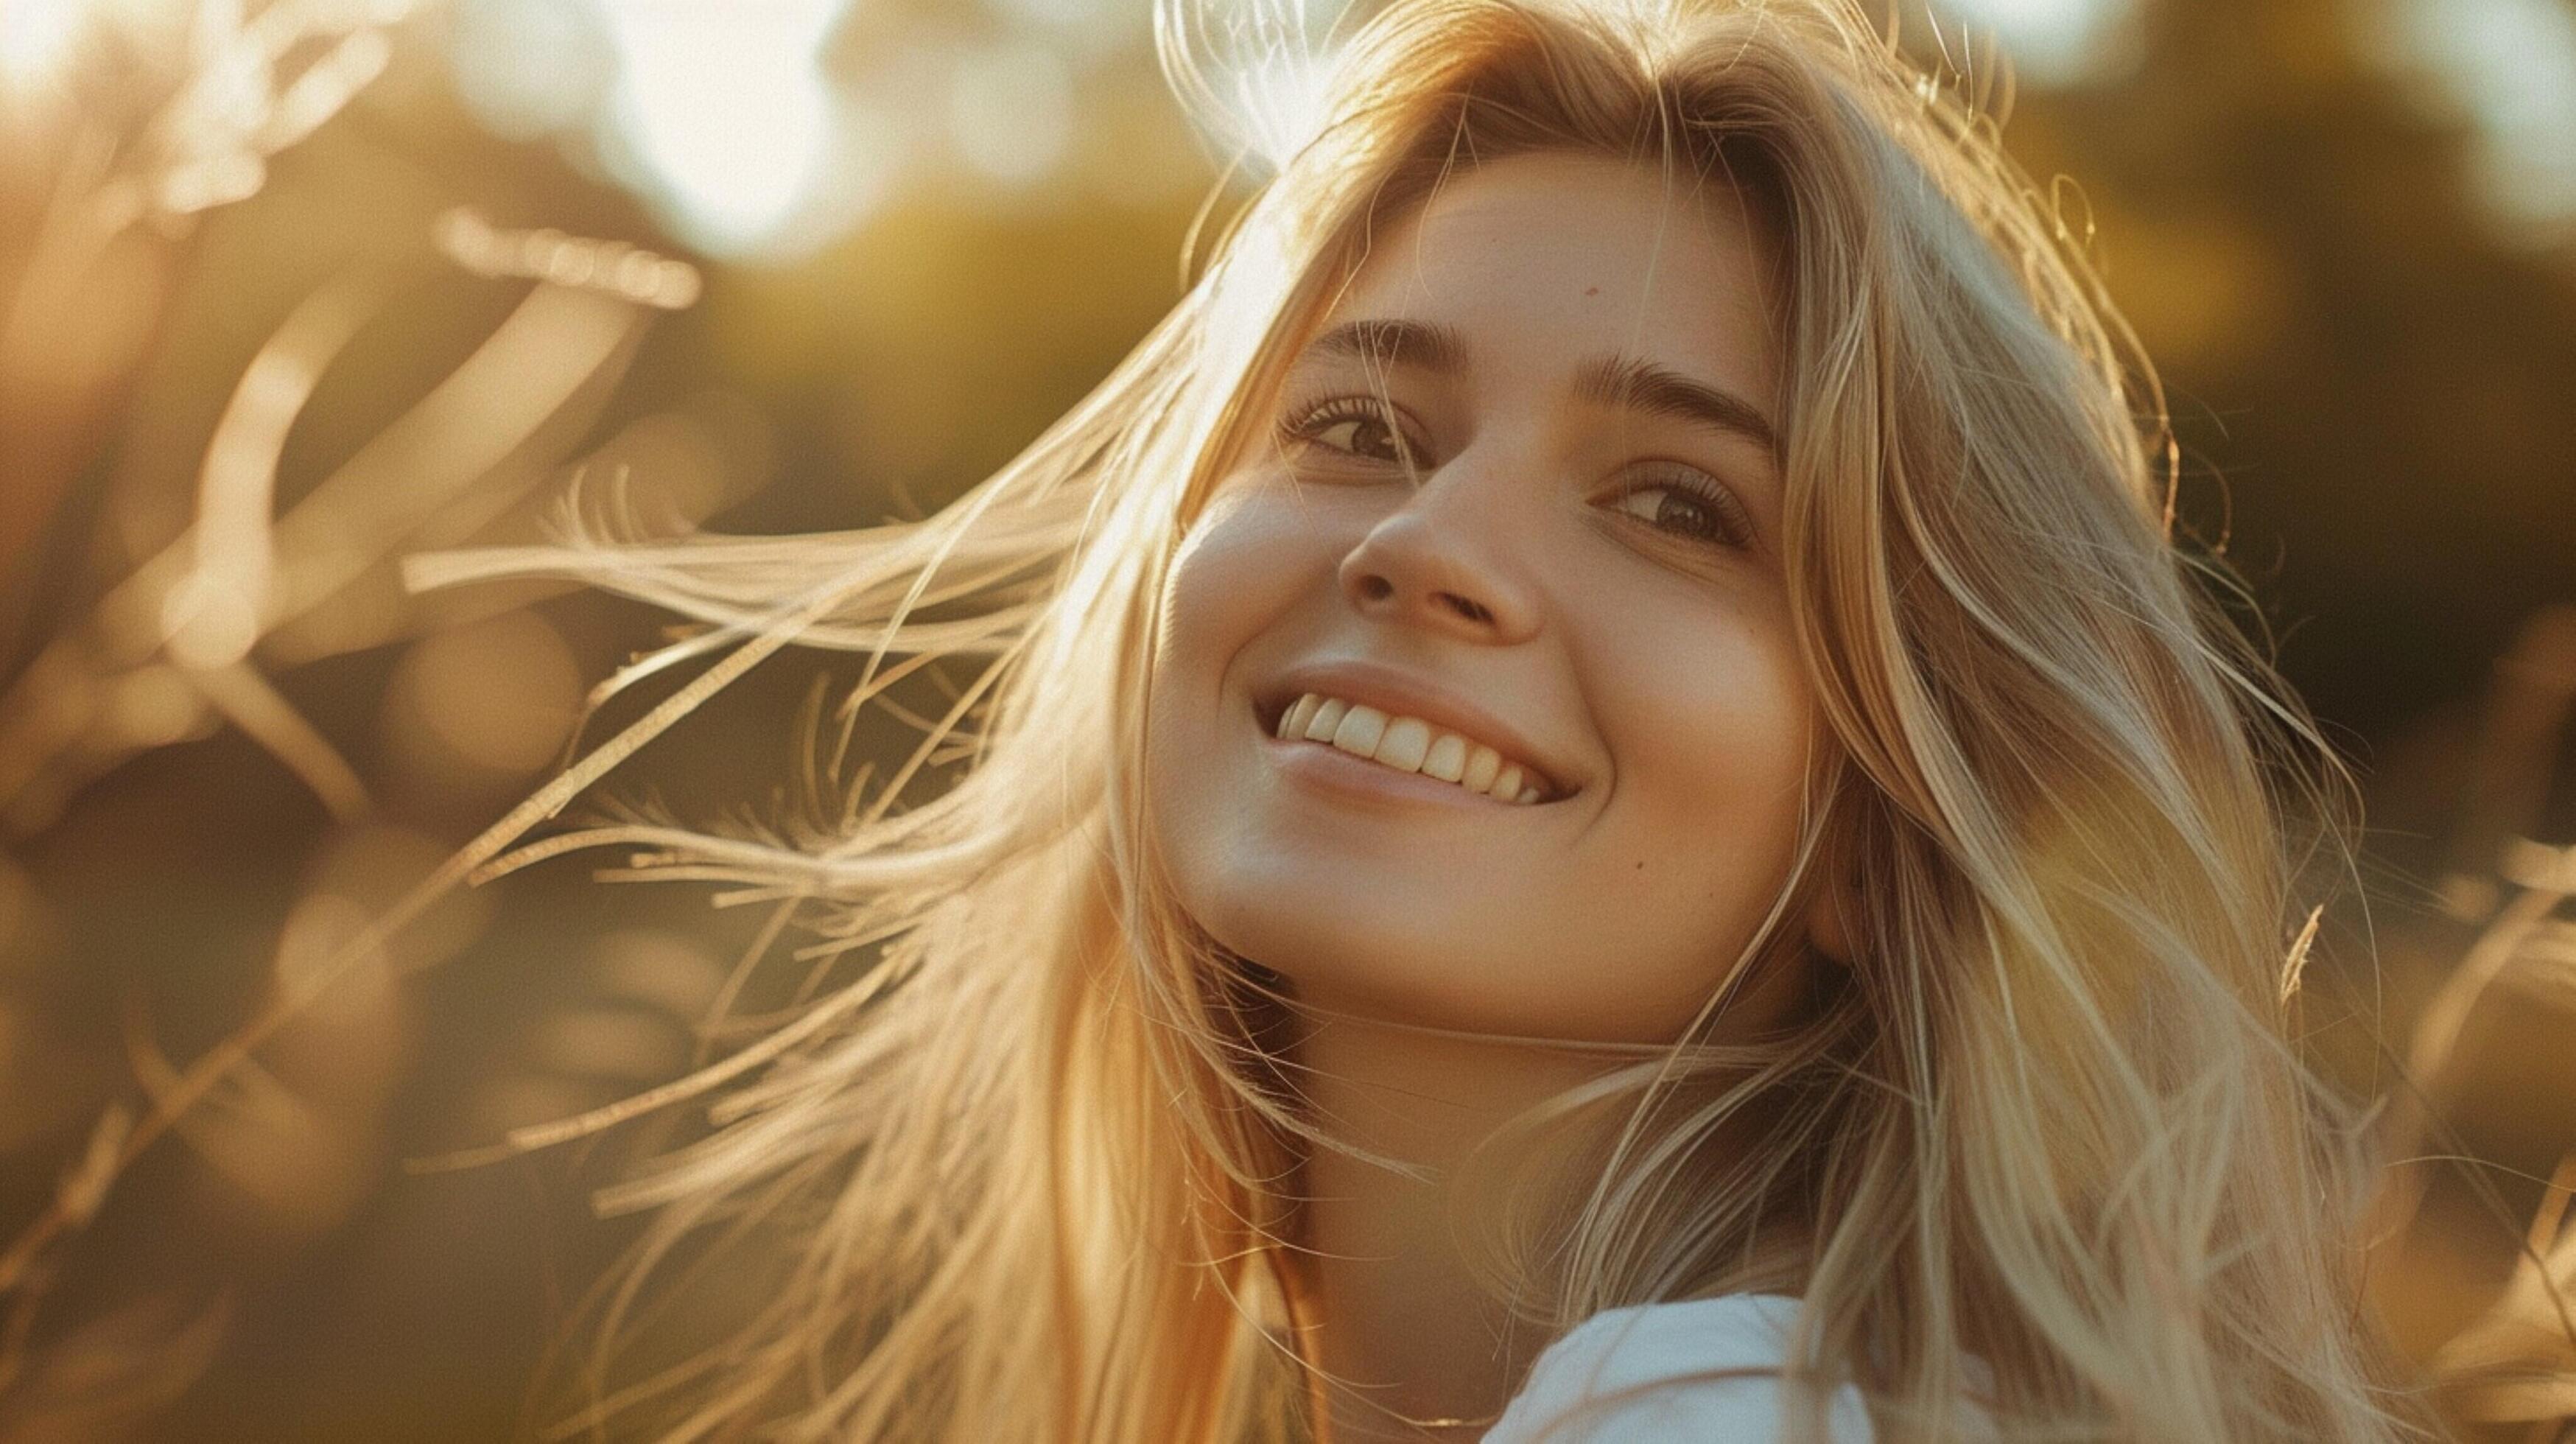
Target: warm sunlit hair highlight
{"x": 2048, "y": 1125}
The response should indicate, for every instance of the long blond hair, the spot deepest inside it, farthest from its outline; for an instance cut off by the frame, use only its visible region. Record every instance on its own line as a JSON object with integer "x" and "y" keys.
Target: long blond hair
{"x": 2049, "y": 1124}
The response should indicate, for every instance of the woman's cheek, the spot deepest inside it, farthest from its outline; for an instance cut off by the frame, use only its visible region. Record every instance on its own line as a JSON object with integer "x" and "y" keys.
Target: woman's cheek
{"x": 1712, "y": 753}
{"x": 1237, "y": 571}
{"x": 1252, "y": 555}
{"x": 1211, "y": 573}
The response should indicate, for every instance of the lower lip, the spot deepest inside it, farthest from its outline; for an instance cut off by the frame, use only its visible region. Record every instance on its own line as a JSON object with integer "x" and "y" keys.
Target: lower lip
{"x": 1321, "y": 765}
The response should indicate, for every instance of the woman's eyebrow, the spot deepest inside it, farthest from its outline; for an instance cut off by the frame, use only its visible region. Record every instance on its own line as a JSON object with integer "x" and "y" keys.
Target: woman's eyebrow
{"x": 1635, "y": 385}
{"x": 1391, "y": 342}
{"x": 1625, "y": 382}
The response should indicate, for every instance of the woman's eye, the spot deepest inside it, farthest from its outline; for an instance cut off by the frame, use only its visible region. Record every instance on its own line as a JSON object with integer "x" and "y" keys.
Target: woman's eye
{"x": 1362, "y": 430}
{"x": 1363, "y": 436}
{"x": 1687, "y": 511}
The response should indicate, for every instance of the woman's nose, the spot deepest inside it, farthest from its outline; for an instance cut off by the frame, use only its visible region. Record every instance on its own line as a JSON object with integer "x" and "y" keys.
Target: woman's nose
{"x": 1427, "y": 566}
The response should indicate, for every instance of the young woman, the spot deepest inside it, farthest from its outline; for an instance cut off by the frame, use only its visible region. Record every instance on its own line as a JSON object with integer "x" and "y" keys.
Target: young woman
{"x": 1602, "y": 812}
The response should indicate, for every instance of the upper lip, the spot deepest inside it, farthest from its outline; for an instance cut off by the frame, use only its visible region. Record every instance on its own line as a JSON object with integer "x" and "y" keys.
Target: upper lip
{"x": 1400, "y": 694}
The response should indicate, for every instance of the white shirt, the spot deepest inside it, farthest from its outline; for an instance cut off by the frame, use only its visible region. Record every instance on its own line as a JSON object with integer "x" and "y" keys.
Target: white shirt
{"x": 1642, "y": 1376}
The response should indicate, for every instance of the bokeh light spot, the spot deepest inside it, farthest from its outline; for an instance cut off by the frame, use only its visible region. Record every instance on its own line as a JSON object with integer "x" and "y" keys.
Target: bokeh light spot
{"x": 722, "y": 110}
{"x": 36, "y": 37}
{"x": 2051, "y": 42}
{"x": 717, "y": 111}
{"x": 495, "y": 697}
{"x": 1011, "y": 111}
{"x": 530, "y": 68}
{"x": 2509, "y": 68}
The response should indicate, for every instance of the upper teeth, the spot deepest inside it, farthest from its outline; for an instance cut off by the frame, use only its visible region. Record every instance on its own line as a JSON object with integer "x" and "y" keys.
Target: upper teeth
{"x": 1409, "y": 744}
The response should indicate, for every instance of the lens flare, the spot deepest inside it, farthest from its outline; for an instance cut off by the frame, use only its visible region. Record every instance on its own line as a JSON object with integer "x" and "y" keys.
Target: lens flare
{"x": 722, "y": 110}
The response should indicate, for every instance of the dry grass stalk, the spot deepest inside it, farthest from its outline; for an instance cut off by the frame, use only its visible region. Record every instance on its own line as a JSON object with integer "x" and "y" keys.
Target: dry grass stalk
{"x": 2500, "y": 953}
{"x": 20, "y": 1261}
{"x": 2516, "y": 1363}
{"x": 180, "y": 640}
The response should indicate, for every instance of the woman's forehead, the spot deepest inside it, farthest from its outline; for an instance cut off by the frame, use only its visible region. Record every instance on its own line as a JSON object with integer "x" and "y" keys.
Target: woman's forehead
{"x": 1528, "y": 266}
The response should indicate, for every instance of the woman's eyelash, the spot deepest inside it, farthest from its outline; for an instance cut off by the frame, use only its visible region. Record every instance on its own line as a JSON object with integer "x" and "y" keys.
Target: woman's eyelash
{"x": 1723, "y": 517}
{"x": 1311, "y": 423}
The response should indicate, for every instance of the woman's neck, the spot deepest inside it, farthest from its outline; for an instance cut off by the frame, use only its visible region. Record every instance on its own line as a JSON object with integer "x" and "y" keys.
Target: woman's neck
{"x": 1402, "y": 1321}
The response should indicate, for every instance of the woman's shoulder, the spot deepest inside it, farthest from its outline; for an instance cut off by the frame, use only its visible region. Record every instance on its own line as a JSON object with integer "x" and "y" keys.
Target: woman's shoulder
{"x": 1702, "y": 1369}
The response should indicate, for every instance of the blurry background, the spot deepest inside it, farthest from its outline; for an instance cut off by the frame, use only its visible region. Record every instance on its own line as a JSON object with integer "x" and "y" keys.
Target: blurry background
{"x": 288, "y": 290}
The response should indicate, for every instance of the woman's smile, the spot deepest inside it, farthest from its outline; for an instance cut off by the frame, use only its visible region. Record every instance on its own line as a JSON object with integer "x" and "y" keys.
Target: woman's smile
{"x": 1406, "y": 726}
{"x": 1339, "y": 772}
{"x": 1340, "y": 747}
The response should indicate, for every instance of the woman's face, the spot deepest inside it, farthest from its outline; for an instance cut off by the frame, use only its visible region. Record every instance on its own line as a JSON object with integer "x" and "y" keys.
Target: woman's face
{"x": 1520, "y": 488}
